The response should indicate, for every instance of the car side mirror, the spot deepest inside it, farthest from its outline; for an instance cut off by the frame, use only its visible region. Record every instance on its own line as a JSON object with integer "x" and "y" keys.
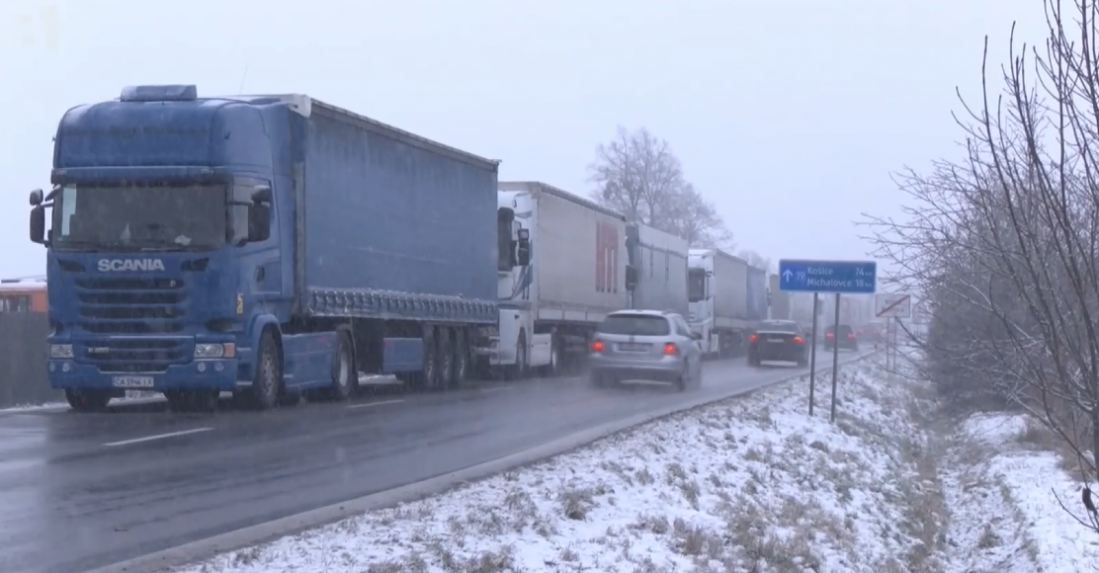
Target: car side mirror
{"x": 696, "y": 335}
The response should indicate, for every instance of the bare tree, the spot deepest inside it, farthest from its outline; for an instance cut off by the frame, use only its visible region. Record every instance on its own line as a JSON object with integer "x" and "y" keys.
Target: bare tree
{"x": 638, "y": 175}
{"x": 755, "y": 259}
{"x": 1005, "y": 244}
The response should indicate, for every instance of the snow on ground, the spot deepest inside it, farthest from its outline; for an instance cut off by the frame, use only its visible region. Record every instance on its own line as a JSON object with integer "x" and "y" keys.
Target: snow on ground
{"x": 132, "y": 398}
{"x": 1005, "y": 491}
{"x": 748, "y": 484}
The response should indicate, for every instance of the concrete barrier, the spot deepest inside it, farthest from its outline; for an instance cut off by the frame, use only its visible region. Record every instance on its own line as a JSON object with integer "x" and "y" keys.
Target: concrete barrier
{"x": 23, "y": 354}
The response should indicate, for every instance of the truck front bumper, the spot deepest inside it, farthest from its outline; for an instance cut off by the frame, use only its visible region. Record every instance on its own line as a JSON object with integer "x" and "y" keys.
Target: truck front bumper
{"x": 206, "y": 374}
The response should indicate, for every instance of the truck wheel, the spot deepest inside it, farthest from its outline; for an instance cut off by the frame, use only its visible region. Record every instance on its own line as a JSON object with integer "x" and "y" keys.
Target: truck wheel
{"x": 84, "y": 401}
{"x": 265, "y": 389}
{"x": 344, "y": 377}
{"x": 444, "y": 349}
{"x": 460, "y": 350}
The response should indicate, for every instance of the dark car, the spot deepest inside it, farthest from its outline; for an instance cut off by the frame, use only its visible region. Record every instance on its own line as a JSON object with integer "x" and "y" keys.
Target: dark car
{"x": 841, "y": 337}
{"x": 780, "y": 340}
{"x": 873, "y": 332}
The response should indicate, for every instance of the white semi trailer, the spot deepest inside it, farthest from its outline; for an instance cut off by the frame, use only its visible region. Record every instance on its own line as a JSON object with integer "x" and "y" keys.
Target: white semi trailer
{"x": 574, "y": 275}
{"x": 657, "y": 272}
{"x": 718, "y": 292}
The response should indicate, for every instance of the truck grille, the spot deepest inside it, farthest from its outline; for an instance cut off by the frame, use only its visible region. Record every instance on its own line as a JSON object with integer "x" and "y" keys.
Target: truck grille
{"x": 131, "y": 306}
{"x": 137, "y": 355}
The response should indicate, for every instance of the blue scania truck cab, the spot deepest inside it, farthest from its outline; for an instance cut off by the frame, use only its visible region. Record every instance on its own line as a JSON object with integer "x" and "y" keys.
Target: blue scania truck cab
{"x": 268, "y": 246}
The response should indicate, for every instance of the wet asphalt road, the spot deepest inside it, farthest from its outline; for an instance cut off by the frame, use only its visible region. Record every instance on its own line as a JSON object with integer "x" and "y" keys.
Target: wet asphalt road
{"x": 83, "y": 491}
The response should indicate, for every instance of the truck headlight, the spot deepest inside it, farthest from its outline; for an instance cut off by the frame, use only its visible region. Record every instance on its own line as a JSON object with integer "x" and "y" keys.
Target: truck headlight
{"x": 215, "y": 350}
{"x": 61, "y": 351}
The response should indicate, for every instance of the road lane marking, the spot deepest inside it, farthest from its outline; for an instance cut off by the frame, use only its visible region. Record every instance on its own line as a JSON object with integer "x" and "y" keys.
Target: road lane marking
{"x": 496, "y": 388}
{"x": 369, "y": 404}
{"x": 157, "y": 437}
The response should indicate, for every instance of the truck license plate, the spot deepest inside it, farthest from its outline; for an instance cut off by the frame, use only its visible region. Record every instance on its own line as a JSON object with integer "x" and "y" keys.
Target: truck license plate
{"x": 133, "y": 381}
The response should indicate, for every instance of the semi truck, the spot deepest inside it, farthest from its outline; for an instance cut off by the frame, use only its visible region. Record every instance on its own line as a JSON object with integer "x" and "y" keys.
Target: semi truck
{"x": 573, "y": 274}
{"x": 778, "y": 300}
{"x": 269, "y": 246}
{"x": 726, "y": 304}
{"x": 657, "y": 271}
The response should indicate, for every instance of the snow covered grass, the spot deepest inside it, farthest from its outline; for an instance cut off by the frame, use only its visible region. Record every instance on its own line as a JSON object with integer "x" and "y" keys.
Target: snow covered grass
{"x": 1008, "y": 482}
{"x": 750, "y": 484}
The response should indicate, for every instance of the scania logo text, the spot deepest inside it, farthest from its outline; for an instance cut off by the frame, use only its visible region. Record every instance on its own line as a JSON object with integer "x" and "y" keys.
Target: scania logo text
{"x": 122, "y": 265}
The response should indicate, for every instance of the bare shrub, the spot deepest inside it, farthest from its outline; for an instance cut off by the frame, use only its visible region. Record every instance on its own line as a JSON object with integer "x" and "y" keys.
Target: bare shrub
{"x": 1004, "y": 245}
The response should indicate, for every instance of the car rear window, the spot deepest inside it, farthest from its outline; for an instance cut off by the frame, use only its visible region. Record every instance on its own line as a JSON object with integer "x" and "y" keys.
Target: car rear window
{"x": 636, "y": 325}
{"x": 778, "y": 326}
{"x": 844, "y": 329}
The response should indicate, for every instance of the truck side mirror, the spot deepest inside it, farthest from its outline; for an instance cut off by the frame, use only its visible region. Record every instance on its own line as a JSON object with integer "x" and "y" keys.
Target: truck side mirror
{"x": 259, "y": 215}
{"x": 36, "y": 197}
{"x": 38, "y": 224}
{"x": 631, "y": 277}
{"x": 522, "y": 248}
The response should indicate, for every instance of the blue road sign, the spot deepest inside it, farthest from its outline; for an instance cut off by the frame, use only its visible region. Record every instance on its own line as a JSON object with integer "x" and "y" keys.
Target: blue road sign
{"x": 844, "y": 277}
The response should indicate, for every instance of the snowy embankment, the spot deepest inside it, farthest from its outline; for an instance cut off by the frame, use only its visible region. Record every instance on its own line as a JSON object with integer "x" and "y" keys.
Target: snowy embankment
{"x": 748, "y": 484}
{"x": 1006, "y": 491}
{"x": 132, "y": 397}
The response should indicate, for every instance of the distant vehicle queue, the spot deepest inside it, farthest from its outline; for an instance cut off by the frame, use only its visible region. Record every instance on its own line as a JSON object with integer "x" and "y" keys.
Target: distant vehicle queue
{"x": 276, "y": 245}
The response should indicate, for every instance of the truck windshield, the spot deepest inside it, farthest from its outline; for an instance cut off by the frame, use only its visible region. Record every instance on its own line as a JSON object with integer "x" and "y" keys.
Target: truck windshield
{"x": 142, "y": 216}
{"x": 696, "y": 285}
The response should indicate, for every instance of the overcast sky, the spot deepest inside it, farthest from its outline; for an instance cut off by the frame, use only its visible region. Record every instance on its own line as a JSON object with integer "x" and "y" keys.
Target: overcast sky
{"x": 788, "y": 114}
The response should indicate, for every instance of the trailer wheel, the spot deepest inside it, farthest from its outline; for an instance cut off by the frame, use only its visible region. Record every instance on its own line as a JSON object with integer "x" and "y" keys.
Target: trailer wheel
{"x": 460, "y": 349}
{"x": 267, "y": 383}
{"x": 428, "y": 377}
{"x": 85, "y": 401}
{"x": 554, "y": 366}
{"x": 444, "y": 350}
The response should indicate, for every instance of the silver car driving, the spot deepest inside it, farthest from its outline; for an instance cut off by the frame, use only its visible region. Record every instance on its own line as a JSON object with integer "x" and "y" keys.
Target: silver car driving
{"x": 645, "y": 345}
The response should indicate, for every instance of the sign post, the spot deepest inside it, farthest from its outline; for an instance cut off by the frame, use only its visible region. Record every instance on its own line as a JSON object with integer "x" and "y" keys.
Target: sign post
{"x": 813, "y": 353}
{"x": 892, "y": 307}
{"x": 838, "y": 277}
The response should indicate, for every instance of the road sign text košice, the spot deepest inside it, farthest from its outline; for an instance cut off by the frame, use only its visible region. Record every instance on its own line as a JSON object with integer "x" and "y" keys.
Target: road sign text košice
{"x": 845, "y": 277}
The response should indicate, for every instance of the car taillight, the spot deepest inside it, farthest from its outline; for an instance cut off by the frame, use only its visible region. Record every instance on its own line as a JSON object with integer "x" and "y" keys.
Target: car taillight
{"x": 852, "y": 335}
{"x": 829, "y": 335}
{"x": 798, "y": 340}
{"x": 753, "y": 338}
{"x": 597, "y": 346}
{"x": 670, "y": 349}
